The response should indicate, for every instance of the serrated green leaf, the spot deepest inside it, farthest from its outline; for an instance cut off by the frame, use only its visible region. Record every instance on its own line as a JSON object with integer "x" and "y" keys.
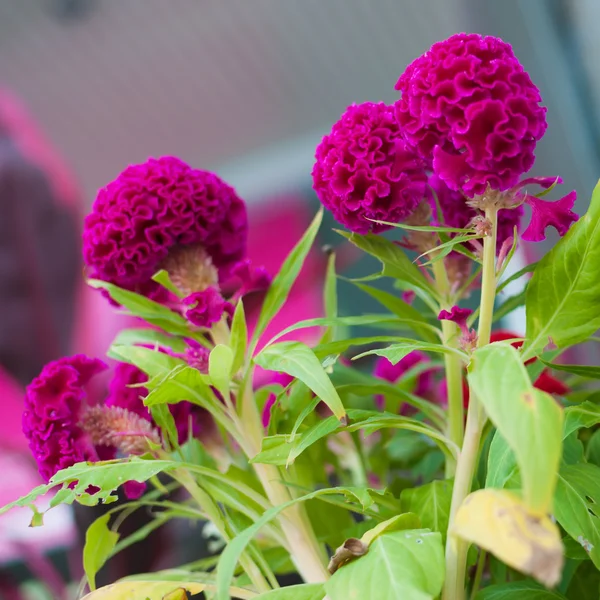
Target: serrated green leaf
{"x": 395, "y": 262}
{"x": 402, "y": 564}
{"x": 299, "y": 361}
{"x": 239, "y": 337}
{"x": 564, "y": 292}
{"x": 99, "y": 544}
{"x": 431, "y": 502}
{"x": 284, "y": 280}
{"x": 530, "y": 420}
{"x": 576, "y": 503}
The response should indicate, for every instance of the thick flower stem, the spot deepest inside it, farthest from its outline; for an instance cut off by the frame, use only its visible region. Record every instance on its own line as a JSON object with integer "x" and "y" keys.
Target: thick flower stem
{"x": 456, "y": 548}
{"x": 208, "y": 506}
{"x": 453, "y": 368}
{"x": 305, "y": 551}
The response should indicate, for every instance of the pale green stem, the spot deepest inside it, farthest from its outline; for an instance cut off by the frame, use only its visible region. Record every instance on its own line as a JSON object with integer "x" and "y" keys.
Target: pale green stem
{"x": 456, "y": 548}
{"x": 453, "y": 368}
{"x": 306, "y": 552}
{"x": 209, "y": 507}
{"x": 478, "y": 573}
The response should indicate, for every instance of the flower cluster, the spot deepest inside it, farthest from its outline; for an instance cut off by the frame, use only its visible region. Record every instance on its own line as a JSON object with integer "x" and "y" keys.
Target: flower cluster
{"x": 364, "y": 170}
{"x": 470, "y": 108}
{"x": 154, "y": 209}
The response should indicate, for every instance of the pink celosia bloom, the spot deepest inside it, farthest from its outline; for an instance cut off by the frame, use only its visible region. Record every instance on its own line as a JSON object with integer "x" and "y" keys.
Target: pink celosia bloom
{"x": 545, "y": 214}
{"x": 155, "y": 208}
{"x": 364, "y": 170}
{"x": 384, "y": 369}
{"x": 471, "y": 111}
{"x": 206, "y": 307}
{"x": 457, "y": 315}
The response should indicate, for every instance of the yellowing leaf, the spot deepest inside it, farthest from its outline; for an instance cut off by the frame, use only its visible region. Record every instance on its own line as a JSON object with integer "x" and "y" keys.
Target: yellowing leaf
{"x": 500, "y": 523}
{"x": 145, "y": 590}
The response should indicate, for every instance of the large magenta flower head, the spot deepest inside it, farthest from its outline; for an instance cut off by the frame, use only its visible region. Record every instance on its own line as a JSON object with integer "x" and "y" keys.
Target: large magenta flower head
{"x": 64, "y": 429}
{"x": 472, "y": 112}
{"x": 164, "y": 214}
{"x": 364, "y": 170}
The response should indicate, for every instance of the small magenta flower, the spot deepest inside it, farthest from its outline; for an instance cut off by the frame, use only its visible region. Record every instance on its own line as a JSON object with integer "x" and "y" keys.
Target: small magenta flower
{"x": 63, "y": 429}
{"x": 206, "y": 307}
{"x": 384, "y": 369}
{"x": 282, "y": 379}
{"x": 364, "y": 170}
{"x": 472, "y": 112}
{"x": 468, "y": 338}
{"x": 154, "y": 212}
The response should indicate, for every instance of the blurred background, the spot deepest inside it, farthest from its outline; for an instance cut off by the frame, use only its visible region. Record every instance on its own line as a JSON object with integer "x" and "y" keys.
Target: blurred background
{"x": 244, "y": 88}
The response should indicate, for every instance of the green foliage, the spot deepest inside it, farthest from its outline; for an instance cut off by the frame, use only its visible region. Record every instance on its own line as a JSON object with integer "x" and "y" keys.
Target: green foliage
{"x": 100, "y": 541}
{"x": 308, "y": 591}
{"x": 528, "y": 590}
{"x": 431, "y": 502}
{"x": 564, "y": 292}
{"x": 401, "y": 564}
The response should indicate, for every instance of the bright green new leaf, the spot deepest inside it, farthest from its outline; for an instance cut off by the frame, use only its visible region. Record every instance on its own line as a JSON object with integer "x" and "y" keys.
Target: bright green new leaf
{"x": 306, "y": 591}
{"x": 164, "y": 279}
{"x": 530, "y": 420}
{"x": 132, "y": 337}
{"x": 398, "y": 523}
{"x": 401, "y": 564}
{"x": 576, "y": 506}
{"x": 330, "y": 298}
{"x": 299, "y": 361}
{"x": 220, "y": 364}
{"x": 564, "y": 293}
{"x": 396, "y": 263}
{"x": 431, "y": 502}
{"x": 284, "y": 280}
{"x": 586, "y": 414}
{"x": 99, "y": 544}
{"x": 239, "y": 337}
{"x": 518, "y": 590}
{"x": 140, "y": 306}
{"x": 396, "y": 352}
{"x": 152, "y": 362}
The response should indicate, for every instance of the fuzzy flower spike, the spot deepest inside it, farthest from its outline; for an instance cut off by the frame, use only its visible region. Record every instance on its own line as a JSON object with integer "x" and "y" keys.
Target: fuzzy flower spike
{"x": 364, "y": 170}
{"x": 163, "y": 214}
{"x": 63, "y": 429}
{"x": 471, "y": 111}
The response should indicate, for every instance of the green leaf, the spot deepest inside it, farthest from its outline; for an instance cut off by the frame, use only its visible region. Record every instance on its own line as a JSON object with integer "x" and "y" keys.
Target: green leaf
{"x": 526, "y": 269}
{"x": 396, "y": 523}
{"x": 235, "y": 548}
{"x": 151, "y": 362}
{"x": 330, "y": 298}
{"x": 530, "y": 420}
{"x": 306, "y": 591}
{"x": 509, "y": 304}
{"x": 501, "y": 464}
{"x": 414, "y": 319}
{"x": 395, "y": 262}
{"x": 431, "y": 228}
{"x": 220, "y": 366}
{"x": 585, "y": 584}
{"x": 132, "y": 337}
{"x": 140, "y": 306}
{"x": 284, "y": 280}
{"x": 586, "y": 414}
{"x": 396, "y": 352}
{"x": 564, "y": 293}
{"x": 582, "y": 370}
{"x": 239, "y": 337}
{"x": 99, "y": 544}
{"x": 402, "y": 564}
{"x": 299, "y": 361}
{"x": 577, "y": 506}
{"x": 431, "y": 502}
{"x": 106, "y": 475}
{"x": 164, "y": 279}
{"x": 517, "y": 590}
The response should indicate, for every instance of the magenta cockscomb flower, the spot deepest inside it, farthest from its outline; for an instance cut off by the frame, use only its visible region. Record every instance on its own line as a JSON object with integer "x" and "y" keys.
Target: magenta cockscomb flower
{"x": 165, "y": 214}
{"x": 206, "y": 307}
{"x": 63, "y": 429}
{"x": 364, "y": 170}
{"x": 384, "y": 369}
{"x": 472, "y": 112}
{"x": 468, "y": 337}
{"x": 457, "y": 213}
{"x": 282, "y": 379}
